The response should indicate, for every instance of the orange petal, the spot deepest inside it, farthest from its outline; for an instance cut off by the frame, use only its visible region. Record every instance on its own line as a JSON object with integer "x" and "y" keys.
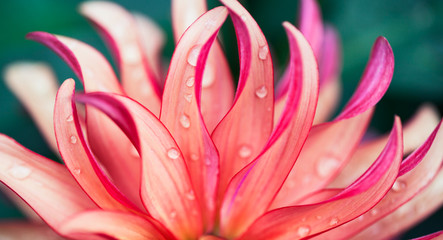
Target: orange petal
{"x": 119, "y": 30}
{"x": 415, "y": 132}
{"x": 302, "y": 221}
{"x": 97, "y": 75}
{"x": 429, "y": 157}
{"x": 180, "y": 111}
{"x": 258, "y": 182}
{"x": 27, "y": 231}
{"x": 217, "y": 91}
{"x": 35, "y": 85}
{"x": 243, "y": 132}
{"x": 166, "y": 189}
{"x": 115, "y": 225}
{"x": 78, "y": 157}
{"x": 45, "y": 185}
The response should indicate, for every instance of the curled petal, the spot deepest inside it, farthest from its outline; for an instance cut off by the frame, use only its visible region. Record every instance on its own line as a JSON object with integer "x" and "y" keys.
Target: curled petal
{"x": 302, "y": 221}
{"x": 166, "y": 187}
{"x": 35, "y": 85}
{"x": 243, "y": 132}
{"x": 119, "y": 30}
{"x": 257, "y": 182}
{"x": 45, "y": 185}
{"x": 417, "y": 171}
{"x": 180, "y": 111}
{"x": 116, "y": 225}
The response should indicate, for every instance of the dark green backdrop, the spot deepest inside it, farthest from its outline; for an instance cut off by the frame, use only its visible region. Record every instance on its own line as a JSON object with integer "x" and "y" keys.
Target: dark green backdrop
{"x": 414, "y": 29}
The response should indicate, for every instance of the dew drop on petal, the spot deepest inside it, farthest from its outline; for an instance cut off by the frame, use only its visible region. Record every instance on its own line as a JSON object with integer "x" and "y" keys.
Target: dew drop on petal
{"x": 173, "y": 214}
{"x": 326, "y": 166}
{"x": 398, "y": 186}
{"x": 208, "y": 162}
{"x": 194, "y": 157}
{"x": 185, "y": 121}
{"x": 303, "y": 231}
{"x": 20, "y": 172}
{"x": 190, "y": 81}
{"x": 70, "y": 118}
{"x": 261, "y": 92}
{"x": 334, "y": 221}
{"x": 73, "y": 139}
{"x": 374, "y": 211}
{"x": 243, "y": 17}
{"x": 173, "y": 153}
{"x": 263, "y": 52}
{"x": 188, "y": 97}
{"x": 190, "y": 195}
{"x": 77, "y": 171}
{"x": 245, "y": 151}
{"x": 193, "y": 55}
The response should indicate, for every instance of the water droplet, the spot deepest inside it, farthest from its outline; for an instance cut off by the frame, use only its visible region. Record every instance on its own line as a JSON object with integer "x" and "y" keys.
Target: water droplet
{"x": 261, "y": 92}
{"x": 173, "y": 214}
{"x": 188, "y": 97}
{"x": 70, "y": 118}
{"x": 20, "y": 172}
{"x": 263, "y": 52}
{"x": 190, "y": 195}
{"x": 208, "y": 162}
{"x": 73, "y": 139}
{"x": 243, "y": 17}
{"x": 361, "y": 218}
{"x": 398, "y": 186}
{"x": 193, "y": 55}
{"x": 303, "y": 231}
{"x": 245, "y": 151}
{"x": 194, "y": 157}
{"x": 334, "y": 221}
{"x": 77, "y": 171}
{"x": 131, "y": 54}
{"x": 185, "y": 121}
{"x": 326, "y": 166}
{"x": 190, "y": 81}
{"x": 173, "y": 153}
{"x": 374, "y": 211}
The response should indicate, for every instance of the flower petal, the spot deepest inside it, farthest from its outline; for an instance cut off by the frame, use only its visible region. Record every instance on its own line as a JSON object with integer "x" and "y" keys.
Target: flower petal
{"x": 311, "y": 25}
{"x": 166, "y": 189}
{"x": 217, "y": 91}
{"x": 44, "y": 184}
{"x": 115, "y": 225}
{"x": 27, "y": 231}
{"x": 302, "y": 221}
{"x": 243, "y": 132}
{"x": 412, "y": 179}
{"x": 180, "y": 111}
{"x": 77, "y": 156}
{"x": 97, "y": 75}
{"x": 119, "y": 30}
{"x": 35, "y": 85}
{"x": 329, "y": 146}
{"x": 430, "y": 236}
{"x": 258, "y": 182}
{"x": 415, "y": 132}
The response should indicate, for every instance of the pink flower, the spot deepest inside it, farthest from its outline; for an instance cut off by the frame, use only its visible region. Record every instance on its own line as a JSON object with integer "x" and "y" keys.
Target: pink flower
{"x": 193, "y": 160}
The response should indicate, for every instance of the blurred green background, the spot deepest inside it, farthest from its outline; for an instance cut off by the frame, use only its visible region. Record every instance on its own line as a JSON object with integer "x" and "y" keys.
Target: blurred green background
{"x": 414, "y": 28}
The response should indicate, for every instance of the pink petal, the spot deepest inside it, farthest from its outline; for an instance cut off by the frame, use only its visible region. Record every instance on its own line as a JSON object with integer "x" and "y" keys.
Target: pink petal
{"x": 311, "y": 24}
{"x": 97, "y": 75}
{"x": 180, "y": 111}
{"x": 243, "y": 132}
{"x": 115, "y": 225}
{"x": 430, "y": 236}
{"x": 329, "y": 146}
{"x": 119, "y": 30}
{"x": 217, "y": 91}
{"x": 44, "y": 184}
{"x": 27, "y": 231}
{"x": 78, "y": 157}
{"x": 35, "y": 85}
{"x": 415, "y": 133}
{"x": 258, "y": 182}
{"x": 302, "y": 221}
{"x": 166, "y": 189}
{"x": 412, "y": 179}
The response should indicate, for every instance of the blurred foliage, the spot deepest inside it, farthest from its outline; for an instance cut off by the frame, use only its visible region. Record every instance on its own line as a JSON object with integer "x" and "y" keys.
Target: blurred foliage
{"x": 414, "y": 29}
